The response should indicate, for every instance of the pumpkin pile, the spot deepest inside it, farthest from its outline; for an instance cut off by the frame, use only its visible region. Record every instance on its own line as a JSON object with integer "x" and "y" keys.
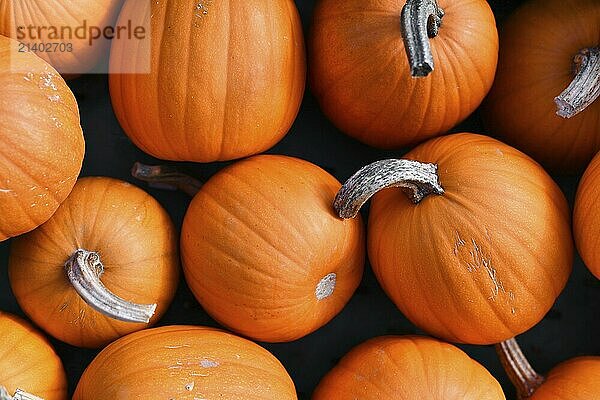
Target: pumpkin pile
{"x": 381, "y": 249}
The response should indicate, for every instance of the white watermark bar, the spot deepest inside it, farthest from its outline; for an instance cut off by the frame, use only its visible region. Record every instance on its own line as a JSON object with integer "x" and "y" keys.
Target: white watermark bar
{"x": 78, "y": 41}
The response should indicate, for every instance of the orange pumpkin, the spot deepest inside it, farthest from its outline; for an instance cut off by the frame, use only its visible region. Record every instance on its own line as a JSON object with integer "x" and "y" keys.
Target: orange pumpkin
{"x": 586, "y": 217}
{"x": 66, "y": 23}
{"x": 574, "y": 379}
{"x": 41, "y": 142}
{"x": 185, "y": 362}
{"x": 28, "y": 361}
{"x": 107, "y": 232}
{"x": 361, "y": 75}
{"x": 263, "y": 251}
{"x": 409, "y": 367}
{"x": 482, "y": 248}
{"x": 225, "y": 79}
{"x": 540, "y": 50}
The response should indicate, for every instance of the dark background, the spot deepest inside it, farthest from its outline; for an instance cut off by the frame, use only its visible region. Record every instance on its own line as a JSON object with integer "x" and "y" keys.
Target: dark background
{"x": 569, "y": 329}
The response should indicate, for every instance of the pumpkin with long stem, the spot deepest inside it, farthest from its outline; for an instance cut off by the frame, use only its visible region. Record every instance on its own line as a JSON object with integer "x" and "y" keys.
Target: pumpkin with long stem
{"x": 29, "y": 366}
{"x": 408, "y": 367}
{"x": 65, "y": 33}
{"x": 481, "y": 246}
{"x": 586, "y": 217}
{"x": 106, "y": 264}
{"x": 544, "y": 97}
{"x": 185, "y": 362}
{"x": 575, "y": 379}
{"x": 41, "y": 141}
{"x": 224, "y": 79}
{"x": 264, "y": 252}
{"x": 392, "y": 73}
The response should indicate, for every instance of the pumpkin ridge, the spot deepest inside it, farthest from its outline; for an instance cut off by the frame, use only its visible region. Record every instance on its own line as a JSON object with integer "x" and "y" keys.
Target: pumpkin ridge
{"x": 224, "y": 126}
{"x": 322, "y": 91}
{"x": 224, "y": 251}
{"x": 441, "y": 275}
{"x": 465, "y": 56}
{"x": 255, "y": 233}
{"x": 186, "y": 108}
{"x": 275, "y": 206}
{"x": 533, "y": 294}
{"x": 101, "y": 200}
{"x": 426, "y": 299}
{"x": 43, "y": 231}
{"x": 452, "y": 60}
{"x": 392, "y": 97}
{"x": 292, "y": 14}
{"x": 280, "y": 211}
{"x": 121, "y": 231}
{"x": 173, "y": 149}
{"x": 381, "y": 389}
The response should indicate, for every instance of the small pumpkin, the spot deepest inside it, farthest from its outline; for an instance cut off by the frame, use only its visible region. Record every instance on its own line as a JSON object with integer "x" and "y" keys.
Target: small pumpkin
{"x": 41, "y": 141}
{"x": 72, "y": 25}
{"x": 103, "y": 266}
{"x": 225, "y": 78}
{"x": 586, "y": 217}
{"x": 185, "y": 362}
{"x": 262, "y": 249}
{"x": 408, "y": 367}
{"x": 480, "y": 248}
{"x": 549, "y": 49}
{"x": 575, "y": 379}
{"x": 371, "y": 90}
{"x": 28, "y": 362}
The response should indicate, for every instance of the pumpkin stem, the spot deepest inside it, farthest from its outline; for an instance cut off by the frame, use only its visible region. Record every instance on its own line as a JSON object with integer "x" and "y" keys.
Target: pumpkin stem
{"x": 165, "y": 177}
{"x": 585, "y": 87}
{"x": 415, "y": 178}
{"x": 518, "y": 369}
{"x": 84, "y": 269}
{"x": 19, "y": 395}
{"x": 420, "y": 20}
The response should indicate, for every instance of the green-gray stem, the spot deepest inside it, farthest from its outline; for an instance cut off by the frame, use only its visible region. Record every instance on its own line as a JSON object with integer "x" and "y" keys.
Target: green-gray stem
{"x": 84, "y": 269}
{"x": 525, "y": 379}
{"x": 165, "y": 177}
{"x": 19, "y": 395}
{"x": 585, "y": 87}
{"x": 415, "y": 178}
{"x": 420, "y": 20}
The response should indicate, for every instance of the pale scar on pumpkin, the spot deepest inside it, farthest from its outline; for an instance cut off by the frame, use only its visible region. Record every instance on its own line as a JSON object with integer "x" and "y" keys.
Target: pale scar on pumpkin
{"x": 202, "y": 8}
{"x": 325, "y": 287}
{"x": 476, "y": 260}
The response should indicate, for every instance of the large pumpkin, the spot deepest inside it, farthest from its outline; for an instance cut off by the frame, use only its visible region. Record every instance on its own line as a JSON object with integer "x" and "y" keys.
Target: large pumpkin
{"x": 361, "y": 75}
{"x": 540, "y": 50}
{"x": 60, "y": 30}
{"x": 264, "y": 252}
{"x": 28, "y": 361}
{"x": 185, "y": 362}
{"x": 225, "y": 79}
{"x": 109, "y": 252}
{"x": 575, "y": 379}
{"x": 481, "y": 249}
{"x": 409, "y": 367}
{"x": 41, "y": 142}
{"x": 586, "y": 217}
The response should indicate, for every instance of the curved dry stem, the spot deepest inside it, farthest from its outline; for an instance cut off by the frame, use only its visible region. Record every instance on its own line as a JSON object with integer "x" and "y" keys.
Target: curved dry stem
{"x": 19, "y": 395}
{"x": 420, "y": 20}
{"x": 166, "y": 177}
{"x": 525, "y": 379}
{"x": 84, "y": 269}
{"x": 415, "y": 178}
{"x": 585, "y": 87}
